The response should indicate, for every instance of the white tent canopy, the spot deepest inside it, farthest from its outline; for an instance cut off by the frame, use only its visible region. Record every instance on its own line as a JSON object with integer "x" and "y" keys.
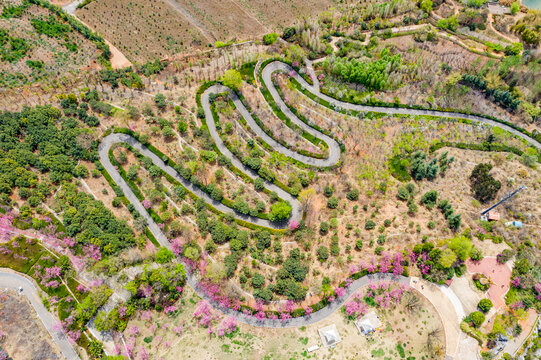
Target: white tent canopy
{"x": 329, "y": 335}
{"x": 368, "y": 323}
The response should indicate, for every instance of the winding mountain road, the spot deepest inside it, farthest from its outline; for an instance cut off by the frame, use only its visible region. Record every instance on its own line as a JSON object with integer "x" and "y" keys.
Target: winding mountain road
{"x": 14, "y": 281}
{"x": 451, "y": 308}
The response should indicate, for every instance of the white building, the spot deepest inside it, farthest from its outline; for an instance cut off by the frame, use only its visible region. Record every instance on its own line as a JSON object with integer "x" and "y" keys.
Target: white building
{"x": 329, "y": 336}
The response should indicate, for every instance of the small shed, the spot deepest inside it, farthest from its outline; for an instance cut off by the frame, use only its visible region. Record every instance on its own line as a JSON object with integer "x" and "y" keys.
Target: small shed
{"x": 368, "y": 323}
{"x": 493, "y": 216}
{"x": 329, "y": 336}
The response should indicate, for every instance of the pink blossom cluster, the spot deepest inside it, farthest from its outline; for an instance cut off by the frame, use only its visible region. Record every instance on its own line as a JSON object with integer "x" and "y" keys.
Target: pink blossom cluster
{"x": 537, "y": 289}
{"x": 92, "y": 251}
{"x": 96, "y": 283}
{"x": 339, "y": 291}
{"x": 5, "y": 251}
{"x": 176, "y": 246}
{"x": 385, "y": 294}
{"x": 422, "y": 263}
{"x": 81, "y": 288}
{"x": 293, "y": 225}
{"x": 228, "y": 326}
{"x": 69, "y": 242}
{"x": 134, "y": 330}
{"x": 285, "y": 316}
{"x": 170, "y": 309}
{"x": 516, "y": 282}
{"x": 51, "y": 284}
{"x": 146, "y": 204}
{"x": 355, "y": 308}
{"x": 146, "y": 315}
{"x": 203, "y": 315}
{"x": 52, "y": 272}
{"x": 517, "y": 305}
{"x": 74, "y": 335}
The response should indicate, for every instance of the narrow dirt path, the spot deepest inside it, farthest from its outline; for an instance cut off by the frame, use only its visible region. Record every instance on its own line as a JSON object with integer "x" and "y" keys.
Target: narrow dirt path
{"x": 192, "y": 20}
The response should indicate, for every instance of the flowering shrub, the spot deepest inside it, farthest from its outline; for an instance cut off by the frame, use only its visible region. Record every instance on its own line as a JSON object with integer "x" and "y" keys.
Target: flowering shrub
{"x": 384, "y": 294}
{"x": 228, "y": 326}
{"x": 355, "y": 308}
{"x": 92, "y": 251}
{"x": 515, "y": 282}
{"x": 146, "y": 204}
{"x": 203, "y": 315}
{"x": 339, "y": 291}
{"x": 293, "y": 225}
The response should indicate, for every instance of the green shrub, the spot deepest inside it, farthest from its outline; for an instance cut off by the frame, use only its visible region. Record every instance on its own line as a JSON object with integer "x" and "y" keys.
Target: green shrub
{"x": 322, "y": 253}
{"x": 269, "y": 39}
{"x": 332, "y": 203}
{"x": 369, "y": 225}
{"x": 485, "y": 305}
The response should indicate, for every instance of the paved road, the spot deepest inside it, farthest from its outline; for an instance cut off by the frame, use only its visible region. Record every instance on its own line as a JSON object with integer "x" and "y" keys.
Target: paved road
{"x": 453, "y": 307}
{"x": 334, "y": 147}
{"x": 280, "y": 66}
{"x": 112, "y": 139}
{"x": 13, "y": 281}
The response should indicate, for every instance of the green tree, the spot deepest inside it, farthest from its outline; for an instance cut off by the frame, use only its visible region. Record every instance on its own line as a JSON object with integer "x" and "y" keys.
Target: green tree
{"x": 332, "y": 203}
{"x": 258, "y": 281}
{"x": 477, "y": 318}
{"x": 447, "y": 258}
{"x": 322, "y": 253}
{"x": 483, "y": 185}
{"x": 233, "y": 79}
{"x": 164, "y": 255}
{"x": 271, "y": 38}
{"x": 279, "y": 211}
{"x": 485, "y": 305}
{"x": 462, "y": 247}
{"x": 426, "y": 6}
{"x": 159, "y": 100}
{"x": 515, "y": 8}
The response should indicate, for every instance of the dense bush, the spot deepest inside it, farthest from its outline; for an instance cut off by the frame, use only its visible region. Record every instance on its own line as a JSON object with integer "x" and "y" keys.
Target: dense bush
{"x": 353, "y": 195}
{"x": 503, "y": 97}
{"x": 322, "y": 253}
{"x": 420, "y": 168}
{"x": 332, "y": 203}
{"x": 369, "y": 225}
{"x": 485, "y": 305}
{"x": 270, "y": 39}
{"x": 279, "y": 211}
{"x": 477, "y": 318}
{"x": 483, "y": 185}
{"x": 429, "y": 199}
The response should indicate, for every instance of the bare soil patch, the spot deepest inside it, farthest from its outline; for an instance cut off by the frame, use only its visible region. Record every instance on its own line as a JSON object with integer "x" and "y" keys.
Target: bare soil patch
{"x": 142, "y": 29}
{"x": 25, "y": 335}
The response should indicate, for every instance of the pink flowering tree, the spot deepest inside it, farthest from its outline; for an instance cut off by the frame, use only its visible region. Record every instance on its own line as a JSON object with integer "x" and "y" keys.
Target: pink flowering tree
{"x": 293, "y": 225}
{"x": 228, "y": 326}
{"x": 146, "y": 204}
